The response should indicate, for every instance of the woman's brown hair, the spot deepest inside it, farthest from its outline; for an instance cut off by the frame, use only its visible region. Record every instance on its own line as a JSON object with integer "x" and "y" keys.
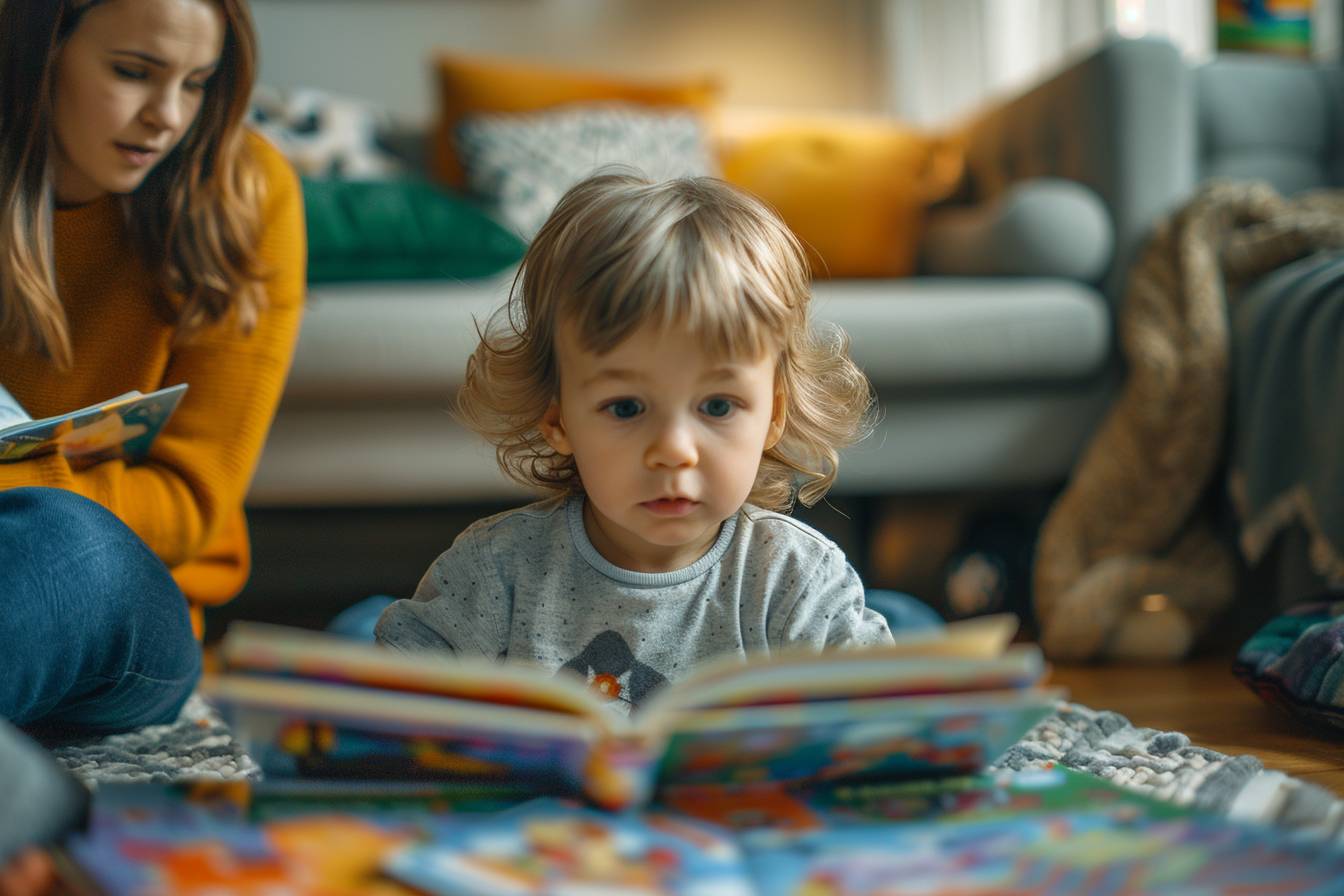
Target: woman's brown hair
{"x": 194, "y": 220}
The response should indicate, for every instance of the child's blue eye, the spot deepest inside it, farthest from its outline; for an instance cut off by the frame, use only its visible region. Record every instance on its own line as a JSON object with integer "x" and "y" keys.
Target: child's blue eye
{"x": 716, "y": 407}
{"x": 624, "y": 408}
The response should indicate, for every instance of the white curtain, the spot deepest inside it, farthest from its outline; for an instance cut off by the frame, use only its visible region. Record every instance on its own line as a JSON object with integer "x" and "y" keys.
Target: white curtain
{"x": 943, "y": 58}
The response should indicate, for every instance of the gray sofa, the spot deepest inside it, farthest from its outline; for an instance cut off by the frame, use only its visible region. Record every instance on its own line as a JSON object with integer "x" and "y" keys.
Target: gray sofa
{"x": 990, "y": 371}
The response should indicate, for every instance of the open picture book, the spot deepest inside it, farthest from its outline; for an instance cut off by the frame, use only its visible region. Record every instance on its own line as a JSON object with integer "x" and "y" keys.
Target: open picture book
{"x": 936, "y": 702}
{"x": 124, "y": 427}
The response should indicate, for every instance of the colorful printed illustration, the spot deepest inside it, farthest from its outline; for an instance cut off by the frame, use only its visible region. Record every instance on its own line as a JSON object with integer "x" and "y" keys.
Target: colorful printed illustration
{"x": 1049, "y": 832}
{"x": 1272, "y": 26}
{"x": 242, "y": 839}
{"x": 200, "y": 842}
{"x": 609, "y": 667}
{"x": 1118, "y": 852}
{"x": 778, "y": 813}
{"x": 819, "y": 742}
{"x": 123, "y": 427}
{"x": 550, "y": 847}
{"x": 333, "y": 749}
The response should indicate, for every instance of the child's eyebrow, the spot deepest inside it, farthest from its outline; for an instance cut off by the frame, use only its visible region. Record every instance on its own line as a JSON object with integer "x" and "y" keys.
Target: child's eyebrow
{"x": 616, "y": 373}
{"x": 718, "y": 374}
{"x": 726, "y": 372}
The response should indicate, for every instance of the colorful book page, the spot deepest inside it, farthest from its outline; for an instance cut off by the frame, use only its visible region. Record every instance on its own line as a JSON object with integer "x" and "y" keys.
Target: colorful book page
{"x": 297, "y": 839}
{"x": 258, "y": 650}
{"x": 777, "y": 813}
{"x": 552, "y": 847}
{"x": 123, "y": 427}
{"x": 825, "y": 742}
{"x": 1121, "y": 847}
{"x": 405, "y": 736}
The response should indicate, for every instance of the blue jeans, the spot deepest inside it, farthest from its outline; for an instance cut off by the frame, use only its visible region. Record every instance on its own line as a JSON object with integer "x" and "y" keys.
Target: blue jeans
{"x": 95, "y": 636}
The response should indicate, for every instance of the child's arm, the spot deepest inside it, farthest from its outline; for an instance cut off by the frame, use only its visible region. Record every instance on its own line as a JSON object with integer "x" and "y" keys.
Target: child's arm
{"x": 460, "y": 605}
{"x": 829, "y": 610}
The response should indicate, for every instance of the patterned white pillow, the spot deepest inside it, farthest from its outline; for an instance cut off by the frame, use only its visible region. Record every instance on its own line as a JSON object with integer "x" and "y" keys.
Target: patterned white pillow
{"x": 521, "y": 164}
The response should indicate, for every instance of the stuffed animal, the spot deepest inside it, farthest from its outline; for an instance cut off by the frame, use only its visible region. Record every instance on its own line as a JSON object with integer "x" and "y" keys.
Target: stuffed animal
{"x": 323, "y": 135}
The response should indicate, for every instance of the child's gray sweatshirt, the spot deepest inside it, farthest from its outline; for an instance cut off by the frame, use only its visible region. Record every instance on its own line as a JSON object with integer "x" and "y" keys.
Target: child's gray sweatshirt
{"x": 528, "y": 584}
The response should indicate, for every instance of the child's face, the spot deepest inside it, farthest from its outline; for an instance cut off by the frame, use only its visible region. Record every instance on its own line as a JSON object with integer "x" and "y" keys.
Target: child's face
{"x": 666, "y": 438}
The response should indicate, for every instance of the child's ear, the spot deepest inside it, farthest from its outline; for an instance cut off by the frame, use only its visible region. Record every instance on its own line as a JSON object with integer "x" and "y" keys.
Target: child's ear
{"x": 778, "y": 412}
{"x": 552, "y": 428}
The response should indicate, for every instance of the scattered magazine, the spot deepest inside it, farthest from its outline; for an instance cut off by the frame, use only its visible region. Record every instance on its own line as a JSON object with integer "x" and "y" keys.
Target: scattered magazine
{"x": 1042, "y": 831}
{"x": 123, "y": 427}
{"x": 944, "y": 701}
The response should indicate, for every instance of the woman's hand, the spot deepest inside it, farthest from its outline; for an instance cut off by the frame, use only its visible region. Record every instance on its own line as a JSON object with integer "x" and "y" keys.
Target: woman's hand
{"x": 27, "y": 874}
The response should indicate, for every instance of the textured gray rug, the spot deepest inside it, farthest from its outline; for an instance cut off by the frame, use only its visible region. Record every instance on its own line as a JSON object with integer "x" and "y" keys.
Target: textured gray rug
{"x": 1163, "y": 764}
{"x": 197, "y": 745}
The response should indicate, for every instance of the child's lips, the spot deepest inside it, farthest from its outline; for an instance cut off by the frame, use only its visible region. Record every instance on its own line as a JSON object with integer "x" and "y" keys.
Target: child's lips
{"x": 670, "y": 506}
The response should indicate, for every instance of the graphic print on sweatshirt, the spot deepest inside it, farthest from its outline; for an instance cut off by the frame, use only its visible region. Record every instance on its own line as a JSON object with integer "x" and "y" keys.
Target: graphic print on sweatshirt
{"x": 610, "y": 668}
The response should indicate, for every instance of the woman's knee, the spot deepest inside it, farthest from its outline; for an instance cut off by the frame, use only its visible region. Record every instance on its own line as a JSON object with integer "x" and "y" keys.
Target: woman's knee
{"x": 42, "y": 525}
{"x": 51, "y": 530}
{"x": 101, "y": 630}
{"x": 78, "y": 569}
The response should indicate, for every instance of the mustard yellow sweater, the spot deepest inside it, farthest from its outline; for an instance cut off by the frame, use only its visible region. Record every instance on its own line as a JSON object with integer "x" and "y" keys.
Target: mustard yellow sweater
{"x": 186, "y": 498}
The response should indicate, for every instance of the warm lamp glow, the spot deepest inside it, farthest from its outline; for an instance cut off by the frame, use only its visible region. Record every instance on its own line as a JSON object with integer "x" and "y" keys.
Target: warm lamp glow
{"x": 1154, "y": 603}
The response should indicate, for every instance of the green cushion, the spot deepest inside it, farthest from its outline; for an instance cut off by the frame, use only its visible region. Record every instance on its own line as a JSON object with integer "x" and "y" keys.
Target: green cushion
{"x": 400, "y": 230}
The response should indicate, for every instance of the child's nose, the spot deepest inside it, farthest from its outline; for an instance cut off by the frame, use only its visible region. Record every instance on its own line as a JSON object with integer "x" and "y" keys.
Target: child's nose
{"x": 673, "y": 445}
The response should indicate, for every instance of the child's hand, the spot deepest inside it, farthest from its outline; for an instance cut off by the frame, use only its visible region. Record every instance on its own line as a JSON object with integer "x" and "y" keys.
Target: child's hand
{"x": 27, "y": 874}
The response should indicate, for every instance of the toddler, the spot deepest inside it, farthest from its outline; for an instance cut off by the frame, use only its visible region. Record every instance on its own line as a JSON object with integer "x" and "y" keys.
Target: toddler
{"x": 656, "y": 368}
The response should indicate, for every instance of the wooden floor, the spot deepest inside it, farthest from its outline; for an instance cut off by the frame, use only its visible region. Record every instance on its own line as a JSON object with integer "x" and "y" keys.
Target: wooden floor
{"x": 1205, "y": 701}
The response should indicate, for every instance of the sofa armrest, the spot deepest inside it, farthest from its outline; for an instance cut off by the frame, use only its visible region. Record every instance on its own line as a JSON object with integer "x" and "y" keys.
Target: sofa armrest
{"x": 1119, "y": 121}
{"x": 1045, "y": 227}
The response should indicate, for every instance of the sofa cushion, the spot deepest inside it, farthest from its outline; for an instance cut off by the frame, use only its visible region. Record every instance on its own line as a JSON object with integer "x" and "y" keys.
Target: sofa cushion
{"x": 399, "y": 229}
{"x": 521, "y": 164}
{"x": 472, "y": 86}
{"x": 853, "y": 190}
{"x": 1045, "y": 227}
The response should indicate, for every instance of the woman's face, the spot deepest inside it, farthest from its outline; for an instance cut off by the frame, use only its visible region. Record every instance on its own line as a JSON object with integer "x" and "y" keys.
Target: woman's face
{"x": 128, "y": 84}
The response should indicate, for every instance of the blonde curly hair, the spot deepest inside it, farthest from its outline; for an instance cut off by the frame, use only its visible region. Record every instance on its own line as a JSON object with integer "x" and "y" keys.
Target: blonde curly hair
{"x": 620, "y": 252}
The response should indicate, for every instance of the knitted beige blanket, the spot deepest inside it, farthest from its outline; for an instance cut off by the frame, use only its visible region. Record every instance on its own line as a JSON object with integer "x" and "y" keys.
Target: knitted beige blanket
{"x": 1127, "y": 565}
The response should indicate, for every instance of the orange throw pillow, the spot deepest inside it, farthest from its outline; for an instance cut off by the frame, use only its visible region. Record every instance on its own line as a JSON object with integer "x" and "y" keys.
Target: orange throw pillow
{"x": 470, "y": 86}
{"x": 854, "y": 190}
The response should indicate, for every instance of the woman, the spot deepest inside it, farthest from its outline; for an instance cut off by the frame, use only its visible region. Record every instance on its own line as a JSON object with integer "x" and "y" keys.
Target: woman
{"x": 146, "y": 239}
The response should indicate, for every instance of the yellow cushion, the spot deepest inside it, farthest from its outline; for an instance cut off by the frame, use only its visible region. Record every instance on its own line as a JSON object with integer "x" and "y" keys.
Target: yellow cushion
{"x": 853, "y": 189}
{"x": 472, "y": 86}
